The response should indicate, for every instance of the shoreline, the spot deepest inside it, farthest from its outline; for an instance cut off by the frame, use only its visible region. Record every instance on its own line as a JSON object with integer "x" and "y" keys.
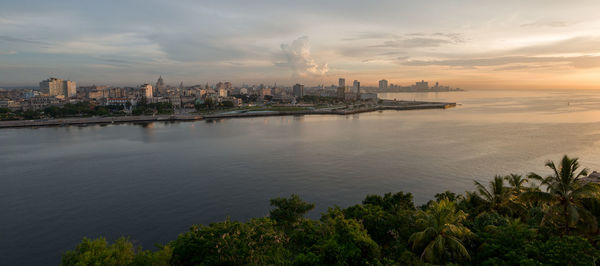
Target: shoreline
{"x": 84, "y": 121}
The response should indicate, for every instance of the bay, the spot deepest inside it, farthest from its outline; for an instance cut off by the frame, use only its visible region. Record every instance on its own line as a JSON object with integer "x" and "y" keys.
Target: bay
{"x": 152, "y": 181}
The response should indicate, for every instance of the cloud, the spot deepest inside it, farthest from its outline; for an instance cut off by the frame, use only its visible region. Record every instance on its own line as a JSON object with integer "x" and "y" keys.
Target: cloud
{"x": 551, "y": 24}
{"x": 580, "y": 62}
{"x": 370, "y": 35}
{"x": 414, "y": 43}
{"x": 420, "y": 40}
{"x": 9, "y": 52}
{"x": 10, "y": 39}
{"x": 581, "y": 44}
{"x": 299, "y": 59}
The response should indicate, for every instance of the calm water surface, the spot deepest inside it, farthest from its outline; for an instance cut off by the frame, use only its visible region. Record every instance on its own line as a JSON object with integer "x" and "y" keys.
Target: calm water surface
{"x": 151, "y": 182}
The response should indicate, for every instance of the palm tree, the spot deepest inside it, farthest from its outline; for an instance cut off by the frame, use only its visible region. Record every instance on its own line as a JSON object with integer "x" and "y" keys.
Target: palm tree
{"x": 565, "y": 194}
{"x": 516, "y": 183}
{"x": 441, "y": 241}
{"x": 496, "y": 195}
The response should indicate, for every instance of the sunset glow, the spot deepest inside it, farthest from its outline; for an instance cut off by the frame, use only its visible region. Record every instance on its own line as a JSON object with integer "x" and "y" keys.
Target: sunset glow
{"x": 467, "y": 44}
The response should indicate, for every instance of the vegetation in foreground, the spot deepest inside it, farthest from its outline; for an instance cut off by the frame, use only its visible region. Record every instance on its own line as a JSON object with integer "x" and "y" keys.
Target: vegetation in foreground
{"x": 513, "y": 220}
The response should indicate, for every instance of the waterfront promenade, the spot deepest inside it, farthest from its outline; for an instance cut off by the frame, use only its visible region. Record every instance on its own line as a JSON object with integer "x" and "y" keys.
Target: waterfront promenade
{"x": 83, "y": 121}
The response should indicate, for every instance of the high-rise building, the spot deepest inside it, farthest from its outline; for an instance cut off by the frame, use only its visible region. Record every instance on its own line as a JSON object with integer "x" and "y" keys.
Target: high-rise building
{"x": 341, "y": 92}
{"x": 146, "y": 91}
{"x": 160, "y": 83}
{"x": 355, "y": 85}
{"x": 298, "y": 90}
{"x": 383, "y": 84}
{"x": 222, "y": 92}
{"x": 59, "y": 87}
{"x": 70, "y": 89}
{"x": 342, "y": 82}
{"x": 265, "y": 92}
{"x": 422, "y": 85}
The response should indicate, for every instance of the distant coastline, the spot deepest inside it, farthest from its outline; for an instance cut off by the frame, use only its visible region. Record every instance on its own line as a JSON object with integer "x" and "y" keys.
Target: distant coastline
{"x": 84, "y": 121}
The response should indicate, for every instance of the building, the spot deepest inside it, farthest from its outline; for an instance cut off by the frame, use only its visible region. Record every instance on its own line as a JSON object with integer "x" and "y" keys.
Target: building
{"x": 342, "y": 82}
{"x": 59, "y": 87}
{"x": 368, "y": 96}
{"x": 298, "y": 90}
{"x": 222, "y": 92}
{"x": 355, "y": 85}
{"x": 340, "y": 92}
{"x": 422, "y": 85}
{"x": 39, "y": 103}
{"x": 146, "y": 91}
{"x": 70, "y": 89}
{"x": 383, "y": 84}
{"x": 265, "y": 92}
{"x": 117, "y": 101}
{"x": 175, "y": 100}
{"x": 357, "y": 88}
{"x": 160, "y": 85}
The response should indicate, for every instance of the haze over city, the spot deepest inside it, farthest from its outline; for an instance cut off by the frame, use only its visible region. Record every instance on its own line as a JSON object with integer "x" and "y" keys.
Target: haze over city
{"x": 468, "y": 44}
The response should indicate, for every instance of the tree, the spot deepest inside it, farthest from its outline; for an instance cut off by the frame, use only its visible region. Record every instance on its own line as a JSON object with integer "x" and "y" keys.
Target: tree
{"x": 516, "y": 183}
{"x": 227, "y": 104}
{"x": 391, "y": 202}
{"x": 343, "y": 242}
{"x": 231, "y": 243}
{"x": 441, "y": 240}
{"x": 565, "y": 194}
{"x": 389, "y": 220}
{"x": 565, "y": 250}
{"x": 496, "y": 196}
{"x": 504, "y": 245}
{"x": 122, "y": 252}
{"x": 290, "y": 210}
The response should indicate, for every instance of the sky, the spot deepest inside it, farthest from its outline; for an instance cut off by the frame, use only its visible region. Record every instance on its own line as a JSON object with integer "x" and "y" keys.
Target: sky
{"x": 468, "y": 44}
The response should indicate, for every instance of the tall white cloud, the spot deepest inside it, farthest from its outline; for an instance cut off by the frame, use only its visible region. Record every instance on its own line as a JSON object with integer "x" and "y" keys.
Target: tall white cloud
{"x": 300, "y": 60}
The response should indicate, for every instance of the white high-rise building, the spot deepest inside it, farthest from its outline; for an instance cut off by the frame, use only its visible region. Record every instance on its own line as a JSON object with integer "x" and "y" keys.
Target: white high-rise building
{"x": 298, "y": 90}
{"x": 70, "y": 88}
{"x": 146, "y": 91}
{"x": 59, "y": 87}
{"x": 222, "y": 92}
{"x": 383, "y": 84}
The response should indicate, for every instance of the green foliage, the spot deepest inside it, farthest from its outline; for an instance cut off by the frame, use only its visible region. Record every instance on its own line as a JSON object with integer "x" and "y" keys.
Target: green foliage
{"x": 503, "y": 245}
{"x": 231, "y": 243}
{"x": 389, "y": 220}
{"x": 451, "y": 196}
{"x": 144, "y": 108}
{"x": 442, "y": 235}
{"x": 319, "y": 99}
{"x": 566, "y": 250}
{"x": 497, "y": 225}
{"x": 564, "y": 196}
{"x": 122, "y": 252}
{"x": 227, "y": 104}
{"x": 391, "y": 202}
{"x": 290, "y": 210}
{"x": 344, "y": 241}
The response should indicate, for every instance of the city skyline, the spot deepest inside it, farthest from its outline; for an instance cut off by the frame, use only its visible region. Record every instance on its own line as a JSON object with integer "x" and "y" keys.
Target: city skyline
{"x": 504, "y": 45}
